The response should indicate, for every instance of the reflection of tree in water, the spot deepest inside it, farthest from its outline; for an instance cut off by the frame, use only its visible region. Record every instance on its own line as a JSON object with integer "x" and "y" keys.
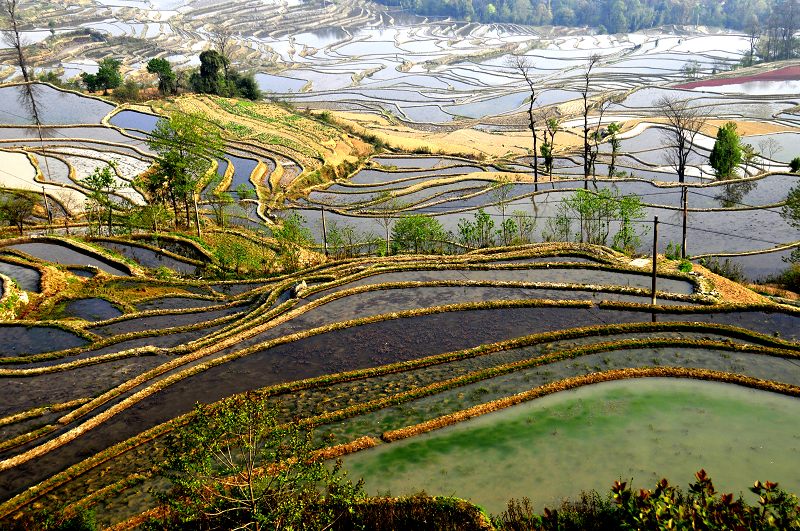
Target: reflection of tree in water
{"x": 733, "y": 191}
{"x": 28, "y": 100}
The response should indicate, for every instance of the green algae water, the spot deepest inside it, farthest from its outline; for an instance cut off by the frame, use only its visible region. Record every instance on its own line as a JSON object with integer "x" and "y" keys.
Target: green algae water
{"x": 555, "y": 447}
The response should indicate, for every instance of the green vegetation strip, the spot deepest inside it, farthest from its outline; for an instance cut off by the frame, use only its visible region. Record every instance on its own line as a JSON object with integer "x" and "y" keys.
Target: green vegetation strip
{"x": 27, "y": 437}
{"x": 718, "y": 308}
{"x": 95, "y": 360}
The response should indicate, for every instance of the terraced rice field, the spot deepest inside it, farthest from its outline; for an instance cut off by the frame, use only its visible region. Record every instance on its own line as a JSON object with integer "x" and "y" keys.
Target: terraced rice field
{"x": 707, "y": 424}
{"x": 395, "y": 355}
{"x": 434, "y": 86}
{"x": 80, "y": 134}
{"x": 740, "y": 217}
{"x": 373, "y": 348}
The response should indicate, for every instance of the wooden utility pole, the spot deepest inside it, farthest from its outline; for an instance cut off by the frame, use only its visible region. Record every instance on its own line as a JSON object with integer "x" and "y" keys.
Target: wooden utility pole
{"x": 387, "y": 241}
{"x": 324, "y": 232}
{"x": 47, "y": 207}
{"x": 196, "y": 216}
{"x": 655, "y": 258}
{"x": 685, "y": 199}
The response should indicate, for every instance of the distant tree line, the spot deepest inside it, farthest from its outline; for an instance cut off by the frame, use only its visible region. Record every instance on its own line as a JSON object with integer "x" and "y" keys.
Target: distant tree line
{"x": 613, "y": 16}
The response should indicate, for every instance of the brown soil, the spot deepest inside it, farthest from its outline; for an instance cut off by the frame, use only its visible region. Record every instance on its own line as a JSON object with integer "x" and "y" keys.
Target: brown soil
{"x": 729, "y": 290}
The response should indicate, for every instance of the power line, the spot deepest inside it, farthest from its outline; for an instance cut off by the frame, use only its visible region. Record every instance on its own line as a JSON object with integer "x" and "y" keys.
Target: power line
{"x": 738, "y": 203}
{"x": 720, "y": 233}
{"x": 639, "y": 222}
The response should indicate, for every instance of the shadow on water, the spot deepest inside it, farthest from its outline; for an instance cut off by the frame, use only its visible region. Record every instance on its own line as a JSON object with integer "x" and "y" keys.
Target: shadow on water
{"x": 27, "y": 278}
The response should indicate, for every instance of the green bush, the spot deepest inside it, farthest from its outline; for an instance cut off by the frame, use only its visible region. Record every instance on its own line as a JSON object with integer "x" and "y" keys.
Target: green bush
{"x": 665, "y": 507}
{"x": 235, "y": 465}
{"x": 673, "y": 251}
{"x": 81, "y": 520}
{"x": 414, "y": 513}
{"x": 685, "y": 266}
{"x": 795, "y": 165}
{"x": 726, "y": 269}
{"x": 790, "y": 279}
{"x": 591, "y": 513}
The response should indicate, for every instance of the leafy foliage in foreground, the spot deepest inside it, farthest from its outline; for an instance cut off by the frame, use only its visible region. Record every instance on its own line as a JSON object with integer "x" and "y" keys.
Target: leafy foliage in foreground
{"x": 665, "y": 507}
{"x": 235, "y": 466}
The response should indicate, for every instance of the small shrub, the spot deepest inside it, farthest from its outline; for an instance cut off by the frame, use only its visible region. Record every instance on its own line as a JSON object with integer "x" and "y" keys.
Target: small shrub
{"x": 788, "y": 279}
{"x": 685, "y": 266}
{"x": 164, "y": 273}
{"x": 795, "y": 165}
{"x": 82, "y": 520}
{"x": 673, "y": 251}
{"x": 700, "y": 507}
{"x": 725, "y": 269}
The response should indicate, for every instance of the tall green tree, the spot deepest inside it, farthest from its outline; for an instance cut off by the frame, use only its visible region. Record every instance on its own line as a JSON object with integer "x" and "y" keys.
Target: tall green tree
{"x": 16, "y": 209}
{"x": 597, "y": 214}
{"x": 552, "y": 127}
{"x": 727, "y": 152}
{"x": 476, "y": 233}
{"x": 791, "y": 208}
{"x": 184, "y": 144}
{"x": 99, "y": 205}
{"x": 210, "y": 79}
{"x": 613, "y": 129}
{"x": 418, "y": 233}
{"x": 108, "y": 76}
{"x": 291, "y": 235}
{"x": 167, "y": 81}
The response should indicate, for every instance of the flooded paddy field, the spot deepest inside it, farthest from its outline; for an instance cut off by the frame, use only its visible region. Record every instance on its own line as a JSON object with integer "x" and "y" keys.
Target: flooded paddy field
{"x": 26, "y": 277}
{"x": 575, "y": 435}
{"x": 68, "y": 255}
{"x": 150, "y": 258}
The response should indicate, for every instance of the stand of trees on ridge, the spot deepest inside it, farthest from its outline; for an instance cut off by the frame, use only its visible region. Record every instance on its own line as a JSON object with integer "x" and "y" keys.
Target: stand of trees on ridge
{"x": 614, "y": 16}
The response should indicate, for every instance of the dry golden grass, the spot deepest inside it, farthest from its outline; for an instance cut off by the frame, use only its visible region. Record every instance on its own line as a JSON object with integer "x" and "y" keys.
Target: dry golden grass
{"x": 493, "y": 145}
{"x": 731, "y": 291}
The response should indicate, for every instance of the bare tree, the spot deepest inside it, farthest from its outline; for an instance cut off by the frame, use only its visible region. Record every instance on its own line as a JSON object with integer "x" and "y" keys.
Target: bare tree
{"x": 11, "y": 34}
{"x": 753, "y": 33}
{"x": 70, "y": 204}
{"x": 683, "y": 124}
{"x": 598, "y": 134}
{"x": 768, "y": 148}
{"x": 222, "y": 39}
{"x": 787, "y": 17}
{"x": 387, "y": 206}
{"x": 552, "y": 124}
{"x": 587, "y": 107}
{"x": 523, "y": 65}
